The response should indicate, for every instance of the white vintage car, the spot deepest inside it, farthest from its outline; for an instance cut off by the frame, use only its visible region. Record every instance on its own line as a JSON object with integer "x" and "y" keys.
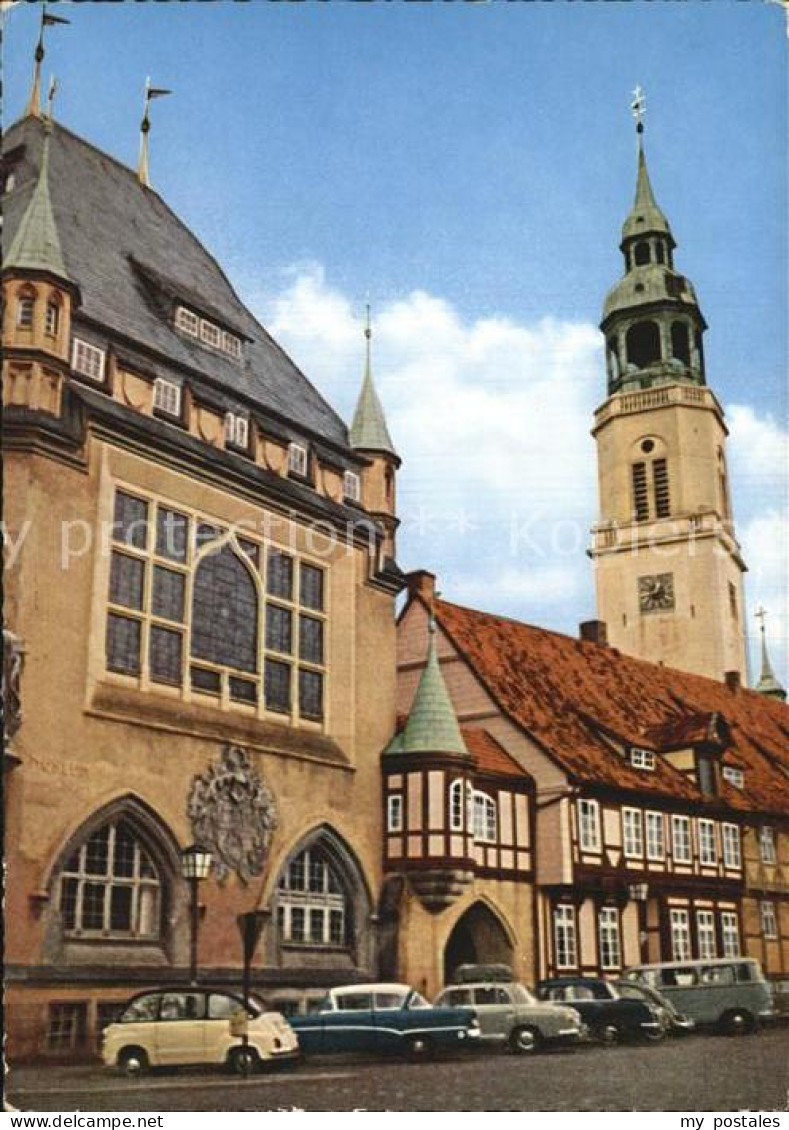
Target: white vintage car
{"x": 173, "y": 1027}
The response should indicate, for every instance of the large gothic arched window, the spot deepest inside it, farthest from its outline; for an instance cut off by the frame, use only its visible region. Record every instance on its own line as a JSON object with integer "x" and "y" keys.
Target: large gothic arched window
{"x": 110, "y": 887}
{"x": 225, "y": 612}
{"x": 311, "y": 902}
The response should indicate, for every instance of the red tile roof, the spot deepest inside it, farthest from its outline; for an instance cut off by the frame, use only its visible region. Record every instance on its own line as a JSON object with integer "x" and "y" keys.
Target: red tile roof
{"x": 575, "y": 698}
{"x": 489, "y": 755}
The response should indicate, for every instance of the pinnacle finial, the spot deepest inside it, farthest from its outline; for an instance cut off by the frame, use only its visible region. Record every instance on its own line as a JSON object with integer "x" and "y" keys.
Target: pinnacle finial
{"x": 143, "y": 169}
{"x": 639, "y": 108}
{"x": 33, "y": 108}
{"x": 53, "y": 89}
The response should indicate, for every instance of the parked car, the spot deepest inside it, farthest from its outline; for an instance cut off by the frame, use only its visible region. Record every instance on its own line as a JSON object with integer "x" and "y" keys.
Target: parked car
{"x": 174, "y": 1027}
{"x": 674, "y": 1023}
{"x": 384, "y": 1018}
{"x": 509, "y": 1014}
{"x": 730, "y": 993}
{"x": 608, "y": 1015}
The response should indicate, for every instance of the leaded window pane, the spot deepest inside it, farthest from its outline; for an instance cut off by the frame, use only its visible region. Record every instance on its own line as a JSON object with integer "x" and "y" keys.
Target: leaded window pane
{"x": 297, "y": 915}
{"x": 97, "y": 852}
{"x": 311, "y": 694}
{"x": 242, "y": 690}
{"x": 311, "y": 587}
{"x": 172, "y": 532}
{"x": 68, "y": 903}
{"x": 121, "y": 908}
{"x": 207, "y": 681}
{"x": 277, "y": 686}
{"x": 336, "y": 927}
{"x": 310, "y": 639}
{"x": 165, "y": 655}
{"x": 224, "y": 612}
{"x": 123, "y": 644}
{"x": 206, "y": 533}
{"x": 123, "y": 861}
{"x": 279, "y": 629}
{"x": 130, "y": 520}
{"x": 127, "y": 575}
{"x": 279, "y": 577}
{"x": 93, "y": 906}
{"x": 167, "y": 599}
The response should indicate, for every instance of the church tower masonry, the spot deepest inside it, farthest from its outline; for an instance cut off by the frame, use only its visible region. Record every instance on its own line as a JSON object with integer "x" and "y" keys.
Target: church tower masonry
{"x": 667, "y": 563}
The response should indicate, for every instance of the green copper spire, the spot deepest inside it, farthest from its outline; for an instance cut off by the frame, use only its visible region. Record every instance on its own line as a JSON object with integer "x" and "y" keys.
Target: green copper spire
{"x": 645, "y": 216}
{"x": 36, "y": 245}
{"x": 768, "y": 684}
{"x": 432, "y": 725}
{"x": 368, "y": 430}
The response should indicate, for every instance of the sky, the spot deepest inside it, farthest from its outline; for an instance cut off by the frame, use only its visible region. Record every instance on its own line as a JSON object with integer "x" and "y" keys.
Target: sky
{"x": 469, "y": 166}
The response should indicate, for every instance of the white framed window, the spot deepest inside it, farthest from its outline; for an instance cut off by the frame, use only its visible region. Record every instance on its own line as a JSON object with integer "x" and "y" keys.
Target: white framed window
{"x": 705, "y": 930}
{"x": 24, "y": 312}
{"x": 52, "y": 318}
{"x": 730, "y": 933}
{"x": 589, "y": 825}
{"x": 167, "y": 397}
{"x": 732, "y": 854}
{"x": 311, "y": 902}
{"x": 656, "y": 847}
{"x": 734, "y": 776}
{"x": 231, "y": 344}
{"x": 187, "y": 321}
{"x": 708, "y": 854}
{"x": 564, "y": 937}
{"x": 236, "y": 430}
{"x": 769, "y": 920}
{"x": 210, "y": 334}
{"x": 682, "y": 844}
{"x": 297, "y": 459}
{"x": 394, "y": 812}
{"x": 609, "y": 936}
{"x": 352, "y": 486}
{"x": 633, "y": 832}
{"x": 767, "y": 844}
{"x": 484, "y": 822}
{"x": 680, "y": 934}
{"x": 642, "y": 759}
{"x": 87, "y": 360}
{"x": 456, "y": 805}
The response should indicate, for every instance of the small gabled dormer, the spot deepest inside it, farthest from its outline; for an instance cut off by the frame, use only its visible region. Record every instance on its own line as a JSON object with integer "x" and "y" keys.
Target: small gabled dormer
{"x": 695, "y": 744}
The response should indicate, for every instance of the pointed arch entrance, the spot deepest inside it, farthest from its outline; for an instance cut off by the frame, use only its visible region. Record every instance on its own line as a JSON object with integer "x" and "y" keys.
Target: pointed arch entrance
{"x": 479, "y": 937}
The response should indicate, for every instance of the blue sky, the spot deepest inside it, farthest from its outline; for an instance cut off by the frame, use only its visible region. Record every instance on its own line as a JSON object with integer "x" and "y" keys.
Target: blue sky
{"x": 470, "y": 165}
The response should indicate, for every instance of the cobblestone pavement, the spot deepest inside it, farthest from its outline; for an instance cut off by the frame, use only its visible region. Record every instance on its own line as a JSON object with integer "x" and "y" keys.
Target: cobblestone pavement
{"x": 696, "y": 1073}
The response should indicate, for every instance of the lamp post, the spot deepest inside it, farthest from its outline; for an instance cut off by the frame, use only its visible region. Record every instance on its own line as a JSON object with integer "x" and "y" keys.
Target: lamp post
{"x": 195, "y": 866}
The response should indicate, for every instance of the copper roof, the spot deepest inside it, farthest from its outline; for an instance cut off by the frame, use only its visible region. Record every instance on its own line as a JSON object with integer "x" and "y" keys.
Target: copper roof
{"x": 579, "y": 699}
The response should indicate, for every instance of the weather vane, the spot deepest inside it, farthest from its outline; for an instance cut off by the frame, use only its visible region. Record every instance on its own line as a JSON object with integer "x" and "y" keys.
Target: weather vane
{"x": 639, "y": 108}
{"x": 151, "y": 92}
{"x": 47, "y": 20}
{"x": 761, "y": 615}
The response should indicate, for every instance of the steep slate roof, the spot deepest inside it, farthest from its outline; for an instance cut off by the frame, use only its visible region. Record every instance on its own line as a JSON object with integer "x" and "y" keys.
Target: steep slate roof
{"x": 130, "y": 255}
{"x": 571, "y": 696}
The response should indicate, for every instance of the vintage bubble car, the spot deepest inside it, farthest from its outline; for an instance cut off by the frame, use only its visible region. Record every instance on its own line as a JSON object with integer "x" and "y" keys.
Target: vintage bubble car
{"x": 176, "y": 1027}
{"x": 384, "y": 1018}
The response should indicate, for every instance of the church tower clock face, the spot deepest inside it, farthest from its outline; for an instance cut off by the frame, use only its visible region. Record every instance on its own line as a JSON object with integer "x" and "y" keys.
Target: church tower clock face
{"x": 656, "y": 593}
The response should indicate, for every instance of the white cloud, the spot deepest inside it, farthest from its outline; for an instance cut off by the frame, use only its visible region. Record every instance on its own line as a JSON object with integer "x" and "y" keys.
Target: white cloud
{"x": 492, "y": 417}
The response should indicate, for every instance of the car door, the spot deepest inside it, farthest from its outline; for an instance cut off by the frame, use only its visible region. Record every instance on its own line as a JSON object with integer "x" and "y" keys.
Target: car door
{"x": 350, "y": 1027}
{"x": 495, "y": 1011}
{"x": 180, "y": 1031}
{"x": 221, "y": 1009}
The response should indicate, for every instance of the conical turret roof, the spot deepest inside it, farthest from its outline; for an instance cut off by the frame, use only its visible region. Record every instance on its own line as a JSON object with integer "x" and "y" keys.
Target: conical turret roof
{"x": 644, "y": 216}
{"x": 768, "y": 683}
{"x": 368, "y": 430}
{"x": 432, "y": 725}
{"x": 36, "y": 243}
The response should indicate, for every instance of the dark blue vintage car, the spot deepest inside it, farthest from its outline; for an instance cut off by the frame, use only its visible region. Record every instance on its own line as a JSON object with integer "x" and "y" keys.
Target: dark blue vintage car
{"x": 607, "y": 1014}
{"x": 384, "y": 1018}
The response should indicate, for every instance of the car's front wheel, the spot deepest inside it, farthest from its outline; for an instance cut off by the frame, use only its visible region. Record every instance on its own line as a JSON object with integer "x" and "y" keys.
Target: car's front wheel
{"x": 525, "y": 1040}
{"x": 243, "y": 1060}
{"x": 133, "y": 1062}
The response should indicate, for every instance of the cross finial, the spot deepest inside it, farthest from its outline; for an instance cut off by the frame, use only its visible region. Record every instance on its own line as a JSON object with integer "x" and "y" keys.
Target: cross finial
{"x": 639, "y": 108}
{"x": 761, "y": 615}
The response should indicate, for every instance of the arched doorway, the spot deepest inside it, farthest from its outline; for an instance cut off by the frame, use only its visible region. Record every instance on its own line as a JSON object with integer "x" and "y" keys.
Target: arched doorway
{"x": 478, "y": 938}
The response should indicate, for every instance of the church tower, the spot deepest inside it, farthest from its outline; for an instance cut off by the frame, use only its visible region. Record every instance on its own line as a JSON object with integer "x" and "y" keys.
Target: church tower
{"x": 667, "y": 562}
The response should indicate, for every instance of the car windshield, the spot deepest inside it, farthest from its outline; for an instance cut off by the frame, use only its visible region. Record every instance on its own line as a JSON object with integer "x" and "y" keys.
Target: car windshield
{"x": 141, "y": 1009}
{"x": 522, "y": 995}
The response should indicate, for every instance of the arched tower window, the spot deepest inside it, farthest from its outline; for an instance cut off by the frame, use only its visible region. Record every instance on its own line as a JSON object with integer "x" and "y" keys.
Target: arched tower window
{"x": 660, "y": 253}
{"x": 25, "y": 309}
{"x": 456, "y": 805}
{"x": 225, "y": 612}
{"x": 643, "y": 344}
{"x": 484, "y": 818}
{"x": 52, "y": 318}
{"x": 311, "y": 902}
{"x": 723, "y": 484}
{"x": 110, "y": 887}
{"x": 613, "y": 358}
{"x": 680, "y": 342}
{"x": 650, "y": 486}
{"x": 641, "y": 254}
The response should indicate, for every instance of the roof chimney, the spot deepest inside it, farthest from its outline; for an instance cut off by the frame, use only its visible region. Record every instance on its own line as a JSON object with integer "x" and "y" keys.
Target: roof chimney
{"x": 422, "y": 583}
{"x": 732, "y": 681}
{"x": 595, "y": 631}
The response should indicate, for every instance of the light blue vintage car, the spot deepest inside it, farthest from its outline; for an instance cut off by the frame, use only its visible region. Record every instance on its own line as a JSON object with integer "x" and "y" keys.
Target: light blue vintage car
{"x": 384, "y": 1018}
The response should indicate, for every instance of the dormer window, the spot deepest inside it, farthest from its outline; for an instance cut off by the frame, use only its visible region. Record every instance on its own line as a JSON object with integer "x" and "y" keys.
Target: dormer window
{"x": 167, "y": 397}
{"x": 352, "y": 486}
{"x": 706, "y": 775}
{"x": 87, "y": 360}
{"x": 231, "y": 345}
{"x": 297, "y": 460}
{"x": 210, "y": 334}
{"x": 24, "y": 312}
{"x": 206, "y": 331}
{"x": 734, "y": 776}
{"x": 236, "y": 430}
{"x": 642, "y": 759}
{"x": 187, "y": 321}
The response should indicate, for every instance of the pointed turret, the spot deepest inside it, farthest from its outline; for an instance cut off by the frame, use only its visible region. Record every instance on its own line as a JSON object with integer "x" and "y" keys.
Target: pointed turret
{"x": 36, "y": 244}
{"x": 645, "y": 216}
{"x": 768, "y": 683}
{"x": 368, "y": 430}
{"x": 432, "y": 725}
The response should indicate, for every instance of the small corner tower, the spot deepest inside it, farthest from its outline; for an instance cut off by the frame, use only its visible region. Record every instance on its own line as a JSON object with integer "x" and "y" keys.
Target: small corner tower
{"x": 369, "y": 435}
{"x": 668, "y": 565}
{"x": 768, "y": 684}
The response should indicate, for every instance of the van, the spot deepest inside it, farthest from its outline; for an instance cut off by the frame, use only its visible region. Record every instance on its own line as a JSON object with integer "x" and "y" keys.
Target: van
{"x": 730, "y": 993}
